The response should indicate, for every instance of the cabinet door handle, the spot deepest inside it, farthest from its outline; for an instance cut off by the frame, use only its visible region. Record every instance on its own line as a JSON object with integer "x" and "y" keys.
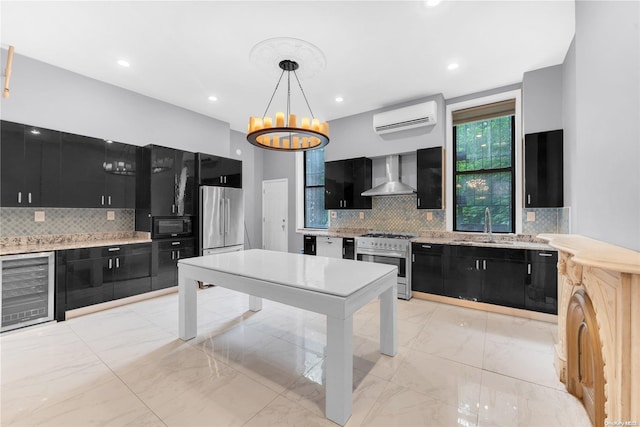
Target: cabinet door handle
{"x": 413, "y": 257}
{"x": 225, "y": 179}
{"x": 175, "y": 243}
{"x": 117, "y": 262}
{"x": 110, "y": 263}
{"x": 114, "y": 249}
{"x": 345, "y": 204}
{"x": 426, "y": 246}
{"x": 484, "y": 264}
{"x": 173, "y": 208}
{"x": 221, "y": 182}
{"x": 343, "y": 252}
{"x": 102, "y": 200}
{"x": 19, "y": 196}
{"x": 29, "y": 198}
{"x": 109, "y": 200}
{"x": 529, "y": 269}
{"x": 528, "y": 199}
{"x": 418, "y": 201}
{"x": 173, "y": 255}
{"x": 177, "y": 254}
{"x": 477, "y": 264}
{"x": 544, "y": 254}
{"x": 313, "y": 248}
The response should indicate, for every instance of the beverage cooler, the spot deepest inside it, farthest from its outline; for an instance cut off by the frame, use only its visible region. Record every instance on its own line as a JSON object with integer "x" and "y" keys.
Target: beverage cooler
{"x": 27, "y": 289}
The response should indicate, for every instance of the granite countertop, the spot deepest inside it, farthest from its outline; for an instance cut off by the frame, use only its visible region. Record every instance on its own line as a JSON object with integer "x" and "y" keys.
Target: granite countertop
{"x": 334, "y": 232}
{"x": 513, "y": 241}
{"x": 55, "y": 242}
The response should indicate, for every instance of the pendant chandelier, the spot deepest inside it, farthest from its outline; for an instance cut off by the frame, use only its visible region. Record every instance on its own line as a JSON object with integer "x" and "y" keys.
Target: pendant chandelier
{"x": 285, "y": 133}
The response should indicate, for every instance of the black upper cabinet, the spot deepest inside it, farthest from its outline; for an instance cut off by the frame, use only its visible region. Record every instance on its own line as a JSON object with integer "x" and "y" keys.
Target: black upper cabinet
{"x": 429, "y": 170}
{"x": 219, "y": 171}
{"x": 165, "y": 184}
{"x": 543, "y": 169}
{"x": 345, "y": 180}
{"x": 30, "y": 160}
{"x": 96, "y": 173}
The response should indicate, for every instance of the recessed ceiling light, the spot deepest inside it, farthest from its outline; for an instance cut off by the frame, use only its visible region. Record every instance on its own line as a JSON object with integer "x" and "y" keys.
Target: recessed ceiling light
{"x": 123, "y": 63}
{"x": 432, "y": 3}
{"x": 212, "y": 98}
{"x": 339, "y": 99}
{"x": 452, "y": 66}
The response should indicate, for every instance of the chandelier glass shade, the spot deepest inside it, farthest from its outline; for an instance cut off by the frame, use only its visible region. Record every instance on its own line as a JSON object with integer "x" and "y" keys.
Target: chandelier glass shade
{"x": 283, "y": 132}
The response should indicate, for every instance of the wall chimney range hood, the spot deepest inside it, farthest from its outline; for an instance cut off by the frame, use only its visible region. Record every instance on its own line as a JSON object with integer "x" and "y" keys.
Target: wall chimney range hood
{"x": 393, "y": 186}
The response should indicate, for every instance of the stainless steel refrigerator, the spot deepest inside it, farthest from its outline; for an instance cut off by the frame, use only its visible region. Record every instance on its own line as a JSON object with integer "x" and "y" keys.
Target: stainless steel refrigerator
{"x": 221, "y": 220}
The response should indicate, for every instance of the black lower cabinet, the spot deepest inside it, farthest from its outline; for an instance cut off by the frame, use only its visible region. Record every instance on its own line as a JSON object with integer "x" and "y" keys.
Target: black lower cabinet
{"x": 90, "y": 276}
{"x": 309, "y": 244}
{"x": 166, "y": 254}
{"x": 426, "y": 268}
{"x": 462, "y": 278}
{"x": 541, "y": 288}
{"x": 349, "y": 248}
{"x": 504, "y": 272}
{"x": 490, "y": 275}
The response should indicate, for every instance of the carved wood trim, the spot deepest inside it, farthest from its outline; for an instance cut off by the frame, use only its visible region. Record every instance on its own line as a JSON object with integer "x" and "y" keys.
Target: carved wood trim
{"x": 585, "y": 365}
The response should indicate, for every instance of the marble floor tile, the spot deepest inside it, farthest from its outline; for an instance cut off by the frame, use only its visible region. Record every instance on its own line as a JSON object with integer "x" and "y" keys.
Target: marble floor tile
{"x": 126, "y": 366}
{"x": 402, "y": 407}
{"x": 454, "y": 333}
{"x": 441, "y": 379}
{"x": 506, "y": 401}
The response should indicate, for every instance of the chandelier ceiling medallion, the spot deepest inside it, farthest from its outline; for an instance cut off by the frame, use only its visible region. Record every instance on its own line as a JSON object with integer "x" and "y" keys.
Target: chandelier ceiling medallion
{"x": 287, "y": 131}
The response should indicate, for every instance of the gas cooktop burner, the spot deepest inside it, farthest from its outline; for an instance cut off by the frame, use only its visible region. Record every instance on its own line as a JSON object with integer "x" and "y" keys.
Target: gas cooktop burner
{"x": 389, "y": 235}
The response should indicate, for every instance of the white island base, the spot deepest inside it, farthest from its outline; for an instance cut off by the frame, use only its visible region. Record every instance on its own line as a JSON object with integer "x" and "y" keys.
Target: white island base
{"x": 336, "y": 288}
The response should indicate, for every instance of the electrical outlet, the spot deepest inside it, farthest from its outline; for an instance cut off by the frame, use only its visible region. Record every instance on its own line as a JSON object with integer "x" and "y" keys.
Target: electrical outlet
{"x": 111, "y": 215}
{"x": 531, "y": 216}
{"x": 361, "y": 215}
{"x": 429, "y": 216}
{"x": 38, "y": 216}
{"x": 334, "y": 214}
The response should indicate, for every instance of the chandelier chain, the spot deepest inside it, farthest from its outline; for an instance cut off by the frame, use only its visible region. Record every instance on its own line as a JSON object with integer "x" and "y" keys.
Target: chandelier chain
{"x": 273, "y": 94}
{"x": 303, "y": 95}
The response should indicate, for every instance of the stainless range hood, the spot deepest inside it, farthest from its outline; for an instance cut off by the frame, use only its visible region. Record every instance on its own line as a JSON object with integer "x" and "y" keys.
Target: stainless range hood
{"x": 393, "y": 186}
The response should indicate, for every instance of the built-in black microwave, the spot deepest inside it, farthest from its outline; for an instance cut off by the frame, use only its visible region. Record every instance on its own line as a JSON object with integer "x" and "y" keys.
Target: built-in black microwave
{"x": 167, "y": 227}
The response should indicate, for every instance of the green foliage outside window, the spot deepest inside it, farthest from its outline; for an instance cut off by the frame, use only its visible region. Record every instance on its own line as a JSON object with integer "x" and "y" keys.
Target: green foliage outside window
{"x": 315, "y": 215}
{"x": 484, "y": 174}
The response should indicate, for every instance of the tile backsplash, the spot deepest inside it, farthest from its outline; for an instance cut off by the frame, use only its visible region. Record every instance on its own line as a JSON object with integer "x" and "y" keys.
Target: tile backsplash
{"x": 21, "y": 221}
{"x": 391, "y": 213}
{"x": 399, "y": 213}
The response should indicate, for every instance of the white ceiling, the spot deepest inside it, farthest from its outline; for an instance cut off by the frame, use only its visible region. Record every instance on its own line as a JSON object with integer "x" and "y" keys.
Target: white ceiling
{"x": 378, "y": 53}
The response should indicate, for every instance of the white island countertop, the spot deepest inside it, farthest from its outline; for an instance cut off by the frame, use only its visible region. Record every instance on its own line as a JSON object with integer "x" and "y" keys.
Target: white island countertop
{"x": 341, "y": 277}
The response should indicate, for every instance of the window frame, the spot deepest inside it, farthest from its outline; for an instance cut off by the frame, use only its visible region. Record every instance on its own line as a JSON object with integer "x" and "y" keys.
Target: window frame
{"x": 512, "y": 92}
{"x": 304, "y": 192}
{"x": 511, "y": 170}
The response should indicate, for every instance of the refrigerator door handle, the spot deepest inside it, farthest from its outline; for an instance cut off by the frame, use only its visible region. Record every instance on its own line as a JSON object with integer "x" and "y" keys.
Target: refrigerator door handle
{"x": 227, "y": 217}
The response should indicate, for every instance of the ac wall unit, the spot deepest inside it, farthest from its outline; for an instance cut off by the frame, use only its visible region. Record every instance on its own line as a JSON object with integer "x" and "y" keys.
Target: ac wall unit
{"x": 410, "y": 117}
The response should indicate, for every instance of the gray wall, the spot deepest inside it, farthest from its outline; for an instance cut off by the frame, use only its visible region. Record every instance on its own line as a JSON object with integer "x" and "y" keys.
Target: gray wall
{"x": 278, "y": 166}
{"x": 252, "y": 160}
{"x": 353, "y": 136}
{"x": 605, "y": 172}
{"x": 51, "y": 97}
{"x": 542, "y": 99}
{"x": 569, "y": 133}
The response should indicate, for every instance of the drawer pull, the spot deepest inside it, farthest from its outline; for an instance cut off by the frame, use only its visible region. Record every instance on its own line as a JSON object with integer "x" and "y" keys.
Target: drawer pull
{"x": 426, "y": 246}
{"x": 114, "y": 249}
{"x": 175, "y": 243}
{"x": 544, "y": 254}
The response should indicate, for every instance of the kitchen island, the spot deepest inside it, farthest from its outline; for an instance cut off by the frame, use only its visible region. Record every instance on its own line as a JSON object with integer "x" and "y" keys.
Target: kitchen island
{"x": 336, "y": 288}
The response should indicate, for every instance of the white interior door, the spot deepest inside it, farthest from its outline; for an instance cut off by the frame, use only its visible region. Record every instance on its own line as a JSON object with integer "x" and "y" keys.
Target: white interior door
{"x": 275, "y": 219}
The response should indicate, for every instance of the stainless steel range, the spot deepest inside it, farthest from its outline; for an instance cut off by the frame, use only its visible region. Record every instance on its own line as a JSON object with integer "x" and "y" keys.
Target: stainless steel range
{"x": 388, "y": 248}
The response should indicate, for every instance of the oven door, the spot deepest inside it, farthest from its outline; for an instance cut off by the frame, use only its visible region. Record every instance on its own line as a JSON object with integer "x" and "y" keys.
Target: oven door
{"x": 398, "y": 261}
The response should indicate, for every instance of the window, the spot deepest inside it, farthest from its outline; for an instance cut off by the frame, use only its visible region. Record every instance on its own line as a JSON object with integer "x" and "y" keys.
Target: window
{"x": 484, "y": 172}
{"x": 315, "y": 215}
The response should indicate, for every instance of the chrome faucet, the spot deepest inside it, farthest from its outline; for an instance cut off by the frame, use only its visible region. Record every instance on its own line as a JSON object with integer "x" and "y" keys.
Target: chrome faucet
{"x": 488, "y": 226}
